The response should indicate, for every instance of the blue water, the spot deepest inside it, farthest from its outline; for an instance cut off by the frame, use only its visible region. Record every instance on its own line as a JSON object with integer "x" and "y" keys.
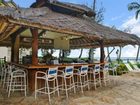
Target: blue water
{"x": 125, "y": 59}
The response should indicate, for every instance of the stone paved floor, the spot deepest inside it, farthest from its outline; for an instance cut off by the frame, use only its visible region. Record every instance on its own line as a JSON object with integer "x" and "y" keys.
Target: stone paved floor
{"x": 125, "y": 92}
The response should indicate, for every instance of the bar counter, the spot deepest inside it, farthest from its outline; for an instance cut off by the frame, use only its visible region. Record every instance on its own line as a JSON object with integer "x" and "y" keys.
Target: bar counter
{"x": 32, "y": 69}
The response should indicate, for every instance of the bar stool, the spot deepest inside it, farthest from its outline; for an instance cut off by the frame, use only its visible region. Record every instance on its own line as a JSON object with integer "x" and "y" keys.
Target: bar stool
{"x": 7, "y": 72}
{"x": 114, "y": 71}
{"x": 106, "y": 77}
{"x": 82, "y": 77}
{"x": 3, "y": 67}
{"x": 49, "y": 77}
{"x": 67, "y": 80}
{"x": 17, "y": 81}
{"x": 95, "y": 77}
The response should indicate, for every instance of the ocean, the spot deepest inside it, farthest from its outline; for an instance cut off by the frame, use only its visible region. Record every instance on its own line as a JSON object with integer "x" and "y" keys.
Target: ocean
{"x": 125, "y": 59}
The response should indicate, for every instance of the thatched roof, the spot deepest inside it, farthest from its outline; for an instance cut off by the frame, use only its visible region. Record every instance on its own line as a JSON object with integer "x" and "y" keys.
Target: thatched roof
{"x": 88, "y": 31}
{"x": 65, "y": 7}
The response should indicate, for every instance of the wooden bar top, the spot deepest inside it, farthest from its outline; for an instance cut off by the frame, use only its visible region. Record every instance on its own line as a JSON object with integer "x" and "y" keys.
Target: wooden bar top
{"x": 43, "y": 66}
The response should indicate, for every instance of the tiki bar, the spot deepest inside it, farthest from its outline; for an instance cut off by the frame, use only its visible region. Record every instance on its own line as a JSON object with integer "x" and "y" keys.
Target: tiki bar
{"x": 50, "y": 24}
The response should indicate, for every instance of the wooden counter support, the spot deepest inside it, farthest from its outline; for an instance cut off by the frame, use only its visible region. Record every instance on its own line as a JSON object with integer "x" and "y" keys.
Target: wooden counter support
{"x": 31, "y": 80}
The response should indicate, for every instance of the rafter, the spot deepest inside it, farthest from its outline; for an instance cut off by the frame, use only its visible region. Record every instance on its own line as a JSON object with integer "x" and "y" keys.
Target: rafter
{"x": 20, "y": 30}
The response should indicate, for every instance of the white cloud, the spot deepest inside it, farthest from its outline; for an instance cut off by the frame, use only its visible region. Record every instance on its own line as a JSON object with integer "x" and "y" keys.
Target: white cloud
{"x": 129, "y": 51}
{"x": 132, "y": 24}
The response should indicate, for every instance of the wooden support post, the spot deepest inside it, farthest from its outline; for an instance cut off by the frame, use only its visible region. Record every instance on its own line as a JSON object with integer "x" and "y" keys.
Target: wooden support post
{"x": 15, "y": 48}
{"x": 102, "y": 53}
{"x": 12, "y": 49}
{"x": 34, "y": 46}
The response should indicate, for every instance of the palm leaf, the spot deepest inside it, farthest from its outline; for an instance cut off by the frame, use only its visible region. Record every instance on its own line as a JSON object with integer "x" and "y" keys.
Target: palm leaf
{"x": 133, "y": 6}
{"x": 137, "y": 13}
{"x": 1, "y": 1}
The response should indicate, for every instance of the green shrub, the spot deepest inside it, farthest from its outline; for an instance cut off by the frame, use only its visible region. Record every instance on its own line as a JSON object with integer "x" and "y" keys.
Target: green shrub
{"x": 122, "y": 69}
{"x": 138, "y": 64}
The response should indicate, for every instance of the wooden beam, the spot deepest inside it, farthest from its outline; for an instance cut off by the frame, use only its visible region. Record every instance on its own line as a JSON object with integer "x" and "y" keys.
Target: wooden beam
{"x": 19, "y": 31}
{"x": 11, "y": 28}
{"x": 42, "y": 32}
{"x": 34, "y": 46}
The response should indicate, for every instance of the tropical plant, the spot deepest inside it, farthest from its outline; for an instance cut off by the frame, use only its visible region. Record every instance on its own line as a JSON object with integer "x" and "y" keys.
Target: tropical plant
{"x": 138, "y": 64}
{"x": 119, "y": 56}
{"x": 122, "y": 69}
{"x": 99, "y": 17}
{"x": 136, "y": 7}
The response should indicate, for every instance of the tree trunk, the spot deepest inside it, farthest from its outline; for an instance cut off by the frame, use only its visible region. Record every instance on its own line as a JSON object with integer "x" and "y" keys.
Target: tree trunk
{"x": 109, "y": 59}
{"x": 138, "y": 53}
{"x": 94, "y": 5}
{"x": 81, "y": 53}
{"x": 91, "y": 53}
{"x": 119, "y": 58}
{"x": 63, "y": 53}
{"x": 91, "y": 50}
{"x": 52, "y": 51}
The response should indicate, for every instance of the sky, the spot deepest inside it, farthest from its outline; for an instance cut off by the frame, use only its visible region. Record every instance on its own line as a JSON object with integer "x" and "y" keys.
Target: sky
{"x": 116, "y": 14}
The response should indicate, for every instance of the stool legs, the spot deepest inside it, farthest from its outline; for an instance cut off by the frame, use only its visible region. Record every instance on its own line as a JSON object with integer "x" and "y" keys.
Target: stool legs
{"x": 17, "y": 82}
